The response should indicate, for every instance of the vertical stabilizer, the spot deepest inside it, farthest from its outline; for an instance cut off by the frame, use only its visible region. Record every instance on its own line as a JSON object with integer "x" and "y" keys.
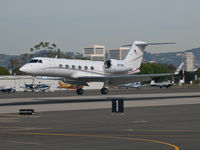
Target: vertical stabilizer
{"x": 135, "y": 54}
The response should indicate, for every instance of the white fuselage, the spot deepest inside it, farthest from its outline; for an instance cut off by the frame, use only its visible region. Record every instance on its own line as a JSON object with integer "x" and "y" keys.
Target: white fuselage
{"x": 71, "y": 68}
{"x": 64, "y": 67}
{"x": 68, "y": 68}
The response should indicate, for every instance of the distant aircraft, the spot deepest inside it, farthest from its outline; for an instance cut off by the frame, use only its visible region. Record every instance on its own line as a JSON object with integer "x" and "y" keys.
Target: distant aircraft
{"x": 68, "y": 85}
{"x": 161, "y": 84}
{"x": 5, "y": 89}
{"x": 131, "y": 85}
{"x": 166, "y": 84}
{"x": 36, "y": 87}
{"x": 111, "y": 71}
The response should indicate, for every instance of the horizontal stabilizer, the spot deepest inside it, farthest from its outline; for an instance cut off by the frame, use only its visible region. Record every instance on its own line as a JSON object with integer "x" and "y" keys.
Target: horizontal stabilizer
{"x": 146, "y": 44}
{"x": 160, "y": 43}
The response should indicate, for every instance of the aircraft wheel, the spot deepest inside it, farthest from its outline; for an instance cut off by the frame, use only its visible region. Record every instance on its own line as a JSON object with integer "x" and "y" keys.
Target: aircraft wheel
{"x": 104, "y": 91}
{"x": 80, "y": 91}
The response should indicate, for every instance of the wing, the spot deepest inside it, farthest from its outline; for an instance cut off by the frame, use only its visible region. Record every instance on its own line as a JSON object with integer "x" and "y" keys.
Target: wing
{"x": 121, "y": 79}
{"x": 15, "y": 77}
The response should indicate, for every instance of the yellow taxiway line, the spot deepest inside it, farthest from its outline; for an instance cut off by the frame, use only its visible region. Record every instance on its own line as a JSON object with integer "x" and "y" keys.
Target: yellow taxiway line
{"x": 101, "y": 136}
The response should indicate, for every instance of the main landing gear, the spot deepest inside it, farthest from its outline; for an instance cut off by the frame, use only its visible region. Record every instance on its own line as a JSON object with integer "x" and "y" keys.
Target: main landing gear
{"x": 80, "y": 91}
{"x": 104, "y": 91}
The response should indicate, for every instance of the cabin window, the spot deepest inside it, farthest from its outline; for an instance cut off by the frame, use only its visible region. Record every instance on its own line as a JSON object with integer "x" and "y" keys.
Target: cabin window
{"x": 73, "y": 67}
{"x": 86, "y": 67}
{"x": 40, "y": 61}
{"x": 79, "y": 67}
{"x": 67, "y": 66}
{"x": 60, "y": 65}
{"x": 92, "y": 68}
{"x": 34, "y": 61}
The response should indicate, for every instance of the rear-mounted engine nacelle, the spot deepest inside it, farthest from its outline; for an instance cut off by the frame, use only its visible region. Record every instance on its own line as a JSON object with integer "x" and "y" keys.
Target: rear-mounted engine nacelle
{"x": 116, "y": 66}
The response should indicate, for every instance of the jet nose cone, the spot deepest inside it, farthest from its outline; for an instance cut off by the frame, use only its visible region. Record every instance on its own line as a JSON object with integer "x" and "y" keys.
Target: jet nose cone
{"x": 23, "y": 69}
{"x": 20, "y": 69}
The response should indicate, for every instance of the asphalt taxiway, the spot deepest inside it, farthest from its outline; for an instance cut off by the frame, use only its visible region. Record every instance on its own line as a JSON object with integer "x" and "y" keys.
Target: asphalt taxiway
{"x": 166, "y": 119}
{"x": 96, "y": 92}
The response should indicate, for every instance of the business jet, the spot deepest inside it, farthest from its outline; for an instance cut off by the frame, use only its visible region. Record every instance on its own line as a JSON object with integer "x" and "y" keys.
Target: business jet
{"x": 110, "y": 72}
{"x": 166, "y": 84}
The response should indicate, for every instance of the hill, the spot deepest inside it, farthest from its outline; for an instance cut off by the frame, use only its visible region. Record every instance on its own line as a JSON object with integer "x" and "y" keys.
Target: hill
{"x": 174, "y": 58}
{"x": 4, "y": 60}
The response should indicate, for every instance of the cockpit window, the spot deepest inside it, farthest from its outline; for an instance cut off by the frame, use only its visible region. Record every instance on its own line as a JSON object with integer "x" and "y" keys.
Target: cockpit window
{"x": 34, "y": 61}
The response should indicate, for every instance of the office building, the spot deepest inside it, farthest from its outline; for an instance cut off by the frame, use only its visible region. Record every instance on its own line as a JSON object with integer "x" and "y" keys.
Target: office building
{"x": 94, "y": 52}
{"x": 189, "y": 61}
{"x": 118, "y": 53}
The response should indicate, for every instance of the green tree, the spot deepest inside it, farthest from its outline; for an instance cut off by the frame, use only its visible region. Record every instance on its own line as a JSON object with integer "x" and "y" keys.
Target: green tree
{"x": 31, "y": 49}
{"x": 54, "y": 45}
{"x": 52, "y": 50}
{"x": 198, "y": 72}
{"x": 47, "y": 46}
{"x": 42, "y": 44}
{"x": 146, "y": 68}
{"x": 149, "y": 68}
{"x": 154, "y": 68}
{"x": 4, "y": 71}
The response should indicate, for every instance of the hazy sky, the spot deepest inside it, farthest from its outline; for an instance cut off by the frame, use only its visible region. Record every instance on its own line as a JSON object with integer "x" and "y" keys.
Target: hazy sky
{"x": 73, "y": 24}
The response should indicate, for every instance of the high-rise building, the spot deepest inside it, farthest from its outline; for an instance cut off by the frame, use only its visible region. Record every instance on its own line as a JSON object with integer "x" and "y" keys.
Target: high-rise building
{"x": 94, "y": 52}
{"x": 189, "y": 61}
{"x": 118, "y": 53}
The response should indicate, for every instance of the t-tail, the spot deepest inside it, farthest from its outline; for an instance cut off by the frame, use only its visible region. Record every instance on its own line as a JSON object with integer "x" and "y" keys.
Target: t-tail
{"x": 135, "y": 54}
